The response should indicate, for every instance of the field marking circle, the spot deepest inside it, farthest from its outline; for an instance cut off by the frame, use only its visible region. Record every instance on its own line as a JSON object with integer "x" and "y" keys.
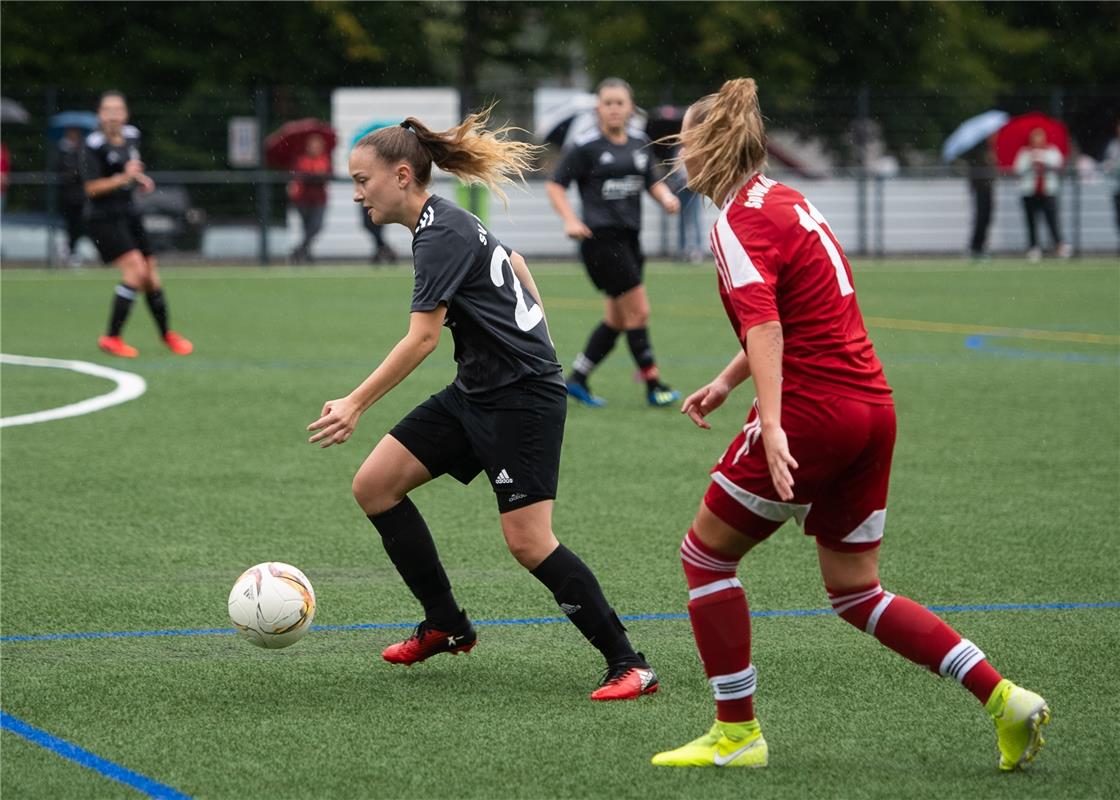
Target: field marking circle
{"x": 129, "y": 387}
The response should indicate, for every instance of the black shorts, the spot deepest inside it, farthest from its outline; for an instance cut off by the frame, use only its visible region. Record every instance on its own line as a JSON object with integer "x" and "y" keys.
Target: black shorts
{"x": 115, "y": 236}
{"x": 614, "y": 261}
{"x": 513, "y": 433}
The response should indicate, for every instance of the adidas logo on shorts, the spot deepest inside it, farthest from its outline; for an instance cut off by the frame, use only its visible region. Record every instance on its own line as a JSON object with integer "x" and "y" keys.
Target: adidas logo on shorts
{"x": 503, "y": 478}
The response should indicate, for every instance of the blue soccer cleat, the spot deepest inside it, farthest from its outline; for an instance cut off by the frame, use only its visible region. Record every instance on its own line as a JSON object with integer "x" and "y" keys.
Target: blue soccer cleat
{"x": 582, "y": 395}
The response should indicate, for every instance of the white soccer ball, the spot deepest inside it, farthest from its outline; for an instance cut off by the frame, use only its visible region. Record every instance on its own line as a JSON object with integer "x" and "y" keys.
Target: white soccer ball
{"x": 272, "y": 604}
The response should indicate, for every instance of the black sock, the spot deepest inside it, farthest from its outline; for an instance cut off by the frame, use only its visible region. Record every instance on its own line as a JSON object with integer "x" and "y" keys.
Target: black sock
{"x": 157, "y": 304}
{"x": 599, "y": 346}
{"x": 409, "y": 544}
{"x": 123, "y": 296}
{"x": 642, "y": 351}
{"x": 579, "y": 596}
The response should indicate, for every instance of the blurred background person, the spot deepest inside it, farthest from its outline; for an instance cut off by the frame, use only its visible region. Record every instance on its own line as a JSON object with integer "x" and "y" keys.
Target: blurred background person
{"x": 5, "y": 170}
{"x": 73, "y": 193}
{"x": 110, "y": 169}
{"x": 612, "y": 165}
{"x": 382, "y": 252}
{"x": 981, "y": 181}
{"x": 690, "y": 235}
{"x": 1039, "y": 167}
{"x": 1112, "y": 170}
{"x": 308, "y": 193}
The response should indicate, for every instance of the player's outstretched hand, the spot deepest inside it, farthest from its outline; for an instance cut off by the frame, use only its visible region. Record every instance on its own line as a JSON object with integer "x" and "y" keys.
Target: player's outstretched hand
{"x": 704, "y": 401}
{"x": 780, "y": 461}
{"x": 337, "y": 422}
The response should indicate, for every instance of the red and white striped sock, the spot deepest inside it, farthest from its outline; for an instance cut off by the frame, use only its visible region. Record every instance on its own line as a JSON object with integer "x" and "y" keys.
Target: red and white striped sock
{"x": 721, "y": 624}
{"x": 915, "y": 633}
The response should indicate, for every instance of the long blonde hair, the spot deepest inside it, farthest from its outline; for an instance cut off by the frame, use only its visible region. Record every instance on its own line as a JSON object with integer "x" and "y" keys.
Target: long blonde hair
{"x": 468, "y": 151}
{"x": 727, "y": 137}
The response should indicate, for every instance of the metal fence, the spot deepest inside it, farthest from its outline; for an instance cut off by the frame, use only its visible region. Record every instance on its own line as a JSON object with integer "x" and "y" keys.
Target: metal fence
{"x": 881, "y": 185}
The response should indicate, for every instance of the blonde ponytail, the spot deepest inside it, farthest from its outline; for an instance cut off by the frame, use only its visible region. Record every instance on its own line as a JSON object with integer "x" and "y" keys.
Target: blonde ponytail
{"x": 468, "y": 151}
{"x": 727, "y": 137}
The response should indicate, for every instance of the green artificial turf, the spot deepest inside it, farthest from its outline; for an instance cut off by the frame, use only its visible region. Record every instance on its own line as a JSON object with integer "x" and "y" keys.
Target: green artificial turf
{"x": 139, "y": 517}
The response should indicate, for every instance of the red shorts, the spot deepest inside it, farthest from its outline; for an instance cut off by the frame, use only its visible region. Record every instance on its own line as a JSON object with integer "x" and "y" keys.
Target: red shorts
{"x": 843, "y": 448}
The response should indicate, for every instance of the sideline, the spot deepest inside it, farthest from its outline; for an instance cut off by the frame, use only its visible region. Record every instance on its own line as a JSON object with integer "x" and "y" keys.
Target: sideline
{"x": 376, "y": 626}
{"x": 85, "y": 758}
{"x": 129, "y": 387}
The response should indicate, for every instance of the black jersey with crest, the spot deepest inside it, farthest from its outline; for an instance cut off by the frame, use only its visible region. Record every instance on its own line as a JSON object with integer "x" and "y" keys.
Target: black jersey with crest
{"x": 611, "y": 178}
{"x": 498, "y": 326}
{"x": 102, "y": 159}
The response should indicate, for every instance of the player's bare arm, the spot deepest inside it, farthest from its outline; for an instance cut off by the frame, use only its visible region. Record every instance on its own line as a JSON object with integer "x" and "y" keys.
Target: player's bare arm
{"x": 339, "y": 417}
{"x": 708, "y": 398}
{"x": 573, "y": 226}
{"x": 764, "y": 351}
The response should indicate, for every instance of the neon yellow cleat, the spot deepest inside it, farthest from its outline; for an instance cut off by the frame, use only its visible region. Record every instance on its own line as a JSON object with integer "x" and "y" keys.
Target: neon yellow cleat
{"x": 727, "y": 744}
{"x": 1019, "y": 716}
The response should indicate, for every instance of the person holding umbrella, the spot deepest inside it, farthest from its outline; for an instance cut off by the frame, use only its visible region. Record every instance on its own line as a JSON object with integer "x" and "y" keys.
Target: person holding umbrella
{"x": 110, "y": 168}
{"x": 1039, "y": 165}
{"x": 974, "y": 140}
{"x": 308, "y": 193}
{"x": 612, "y": 165}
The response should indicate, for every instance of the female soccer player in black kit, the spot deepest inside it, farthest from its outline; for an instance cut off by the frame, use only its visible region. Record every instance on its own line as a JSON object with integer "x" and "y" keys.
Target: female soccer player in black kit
{"x": 504, "y": 413}
{"x": 111, "y": 167}
{"x": 612, "y": 166}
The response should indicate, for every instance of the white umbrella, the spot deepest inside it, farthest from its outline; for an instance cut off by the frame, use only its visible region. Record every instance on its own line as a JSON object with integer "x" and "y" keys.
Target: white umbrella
{"x": 564, "y": 122}
{"x": 971, "y": 132}
{"x": 11, "y": 111}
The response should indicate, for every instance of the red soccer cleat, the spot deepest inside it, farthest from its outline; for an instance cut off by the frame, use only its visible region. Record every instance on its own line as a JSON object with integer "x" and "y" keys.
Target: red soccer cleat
{"x": 115, "y": 346}
{"x": 627, "y": 681}
{"x": 179, "y": 345}
{"x": 427, "y": 641}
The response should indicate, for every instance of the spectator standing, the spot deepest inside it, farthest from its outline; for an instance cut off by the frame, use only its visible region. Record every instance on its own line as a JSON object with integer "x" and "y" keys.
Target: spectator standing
{"x": 73, "y": 194}
{"x": 308, "y": 193}
{"x": 1039, "y": 167}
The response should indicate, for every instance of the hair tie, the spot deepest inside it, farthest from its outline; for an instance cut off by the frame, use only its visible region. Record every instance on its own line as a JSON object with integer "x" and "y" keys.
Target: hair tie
{"x": 408, "y": 126}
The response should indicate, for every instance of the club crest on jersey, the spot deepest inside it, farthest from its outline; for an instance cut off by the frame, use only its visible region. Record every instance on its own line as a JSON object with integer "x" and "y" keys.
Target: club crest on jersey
{"x": 606, "y": 158}
{"x": 641, "y": 160}
{"x": 426, "y": 219}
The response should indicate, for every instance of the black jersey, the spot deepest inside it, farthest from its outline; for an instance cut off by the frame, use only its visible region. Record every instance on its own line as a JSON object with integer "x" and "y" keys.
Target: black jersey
{"x": 100, "y": 159}
{"x": 611, "y": 178}
{"x": 498, "y": 326}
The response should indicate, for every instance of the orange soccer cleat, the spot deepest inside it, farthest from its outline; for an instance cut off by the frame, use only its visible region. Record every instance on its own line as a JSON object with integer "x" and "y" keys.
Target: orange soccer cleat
{"x": 115, "y": 346}
{"x": 177, "y": 344}
{"x": 626, "y": 681}
{"x": 427, "y": 641}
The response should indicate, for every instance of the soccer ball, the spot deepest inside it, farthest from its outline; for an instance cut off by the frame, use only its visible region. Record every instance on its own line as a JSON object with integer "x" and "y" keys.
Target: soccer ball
{"x": 272, "y": 605}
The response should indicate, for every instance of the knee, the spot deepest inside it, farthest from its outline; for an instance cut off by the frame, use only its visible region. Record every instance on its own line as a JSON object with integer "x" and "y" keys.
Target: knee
{"x": 527, "y": 547}
{"x": 372, "y": 495}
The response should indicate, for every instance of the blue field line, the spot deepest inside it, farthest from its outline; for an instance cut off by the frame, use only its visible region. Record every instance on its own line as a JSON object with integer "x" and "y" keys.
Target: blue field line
{"x": 378, "y": 626}
{"x": 85, "y": 758}
{"x": 981, "y": 344}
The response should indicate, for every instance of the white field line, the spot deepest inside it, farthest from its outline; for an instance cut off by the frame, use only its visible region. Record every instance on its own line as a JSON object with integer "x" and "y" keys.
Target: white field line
{"x": 128, "y": 387}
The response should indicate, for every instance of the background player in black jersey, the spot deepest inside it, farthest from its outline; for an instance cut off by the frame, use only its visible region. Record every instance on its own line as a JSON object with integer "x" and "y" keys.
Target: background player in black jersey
{"x": 612, "y": 166}
{"x": 111, "y": 168}
{"x": 504, "y": 413}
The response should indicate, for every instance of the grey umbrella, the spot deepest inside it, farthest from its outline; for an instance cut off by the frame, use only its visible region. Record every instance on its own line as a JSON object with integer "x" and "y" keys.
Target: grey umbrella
{"x": 13, "y": 112}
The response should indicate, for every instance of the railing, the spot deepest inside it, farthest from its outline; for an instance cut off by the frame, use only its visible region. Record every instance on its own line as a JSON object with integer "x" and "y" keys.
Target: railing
{"x": 228, "y": 216}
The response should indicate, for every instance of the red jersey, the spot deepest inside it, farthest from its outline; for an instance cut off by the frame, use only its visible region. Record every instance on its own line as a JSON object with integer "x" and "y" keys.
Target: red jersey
{"x": 778, "y": 259}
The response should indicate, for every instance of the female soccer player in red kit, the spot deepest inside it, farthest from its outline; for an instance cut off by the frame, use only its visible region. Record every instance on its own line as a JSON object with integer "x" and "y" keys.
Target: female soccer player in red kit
{"x": 817, "y": 445}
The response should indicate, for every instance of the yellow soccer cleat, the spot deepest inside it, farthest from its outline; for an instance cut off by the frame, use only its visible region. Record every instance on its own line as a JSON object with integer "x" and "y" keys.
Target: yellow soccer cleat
{"x": 1019, "y": 716}
{"x": 727, "y": 744}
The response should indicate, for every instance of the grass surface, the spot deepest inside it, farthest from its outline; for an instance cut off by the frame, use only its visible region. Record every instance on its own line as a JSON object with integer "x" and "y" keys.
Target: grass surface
{"x": 140, "y": 517}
